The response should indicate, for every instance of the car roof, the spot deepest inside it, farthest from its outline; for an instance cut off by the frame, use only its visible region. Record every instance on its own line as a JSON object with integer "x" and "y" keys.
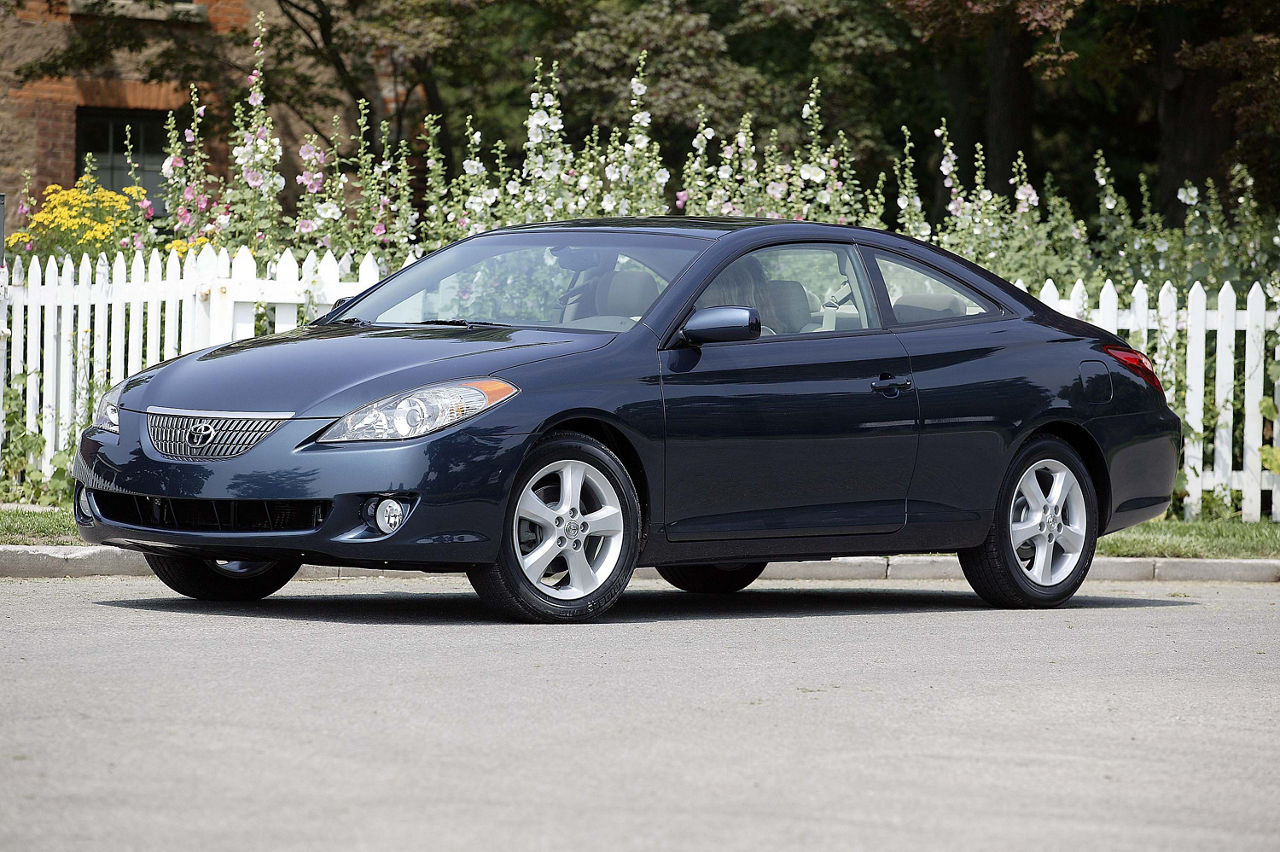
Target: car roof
{"x": 704, "y": 227}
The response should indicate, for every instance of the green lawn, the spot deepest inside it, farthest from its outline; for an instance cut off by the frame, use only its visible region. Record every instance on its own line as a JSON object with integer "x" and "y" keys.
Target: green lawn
{"x": 20, "y": 526}
{"x": 1228, "y": 539}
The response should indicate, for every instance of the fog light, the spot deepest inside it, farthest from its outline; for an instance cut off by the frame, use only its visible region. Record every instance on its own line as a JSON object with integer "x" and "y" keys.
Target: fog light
{"x": 86, "y": 510}
{"x": 389, "y": 516}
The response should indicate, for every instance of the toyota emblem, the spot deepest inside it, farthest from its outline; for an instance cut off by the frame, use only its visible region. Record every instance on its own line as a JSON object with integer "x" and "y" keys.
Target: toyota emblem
{"x": 200, "y": 434}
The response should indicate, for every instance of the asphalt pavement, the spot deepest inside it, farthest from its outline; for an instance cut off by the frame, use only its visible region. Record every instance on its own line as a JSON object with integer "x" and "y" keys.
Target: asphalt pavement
{"x": 385, "y": 713}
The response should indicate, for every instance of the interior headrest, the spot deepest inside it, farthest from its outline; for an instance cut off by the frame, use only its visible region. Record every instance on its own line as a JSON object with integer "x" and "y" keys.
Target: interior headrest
{"x": 784, "y": 306}
{"x": 922, "y": 307}
{"x": 628, "y": 293}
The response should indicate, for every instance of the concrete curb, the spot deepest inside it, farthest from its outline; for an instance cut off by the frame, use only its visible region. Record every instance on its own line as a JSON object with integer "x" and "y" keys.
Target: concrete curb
{"x": 86, "y": 561}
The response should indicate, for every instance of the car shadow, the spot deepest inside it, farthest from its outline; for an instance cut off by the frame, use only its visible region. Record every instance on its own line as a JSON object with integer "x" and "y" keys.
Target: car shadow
{"x": 636, "y": 605}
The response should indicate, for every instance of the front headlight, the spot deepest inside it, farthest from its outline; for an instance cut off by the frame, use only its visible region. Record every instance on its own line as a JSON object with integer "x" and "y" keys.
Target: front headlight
{"x": 412, "y": 414}
{"x": 108, "y": 414}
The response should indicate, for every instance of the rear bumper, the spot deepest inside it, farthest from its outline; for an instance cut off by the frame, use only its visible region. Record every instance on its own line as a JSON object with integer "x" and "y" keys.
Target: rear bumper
{"x": 1142, "y": 452}
{"x": 456, "y": 485}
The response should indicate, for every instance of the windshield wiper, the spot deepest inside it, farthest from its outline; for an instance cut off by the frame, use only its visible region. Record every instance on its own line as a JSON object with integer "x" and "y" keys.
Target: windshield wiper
{"x": 464, "y": 323}
{"x": 354, "y": 321}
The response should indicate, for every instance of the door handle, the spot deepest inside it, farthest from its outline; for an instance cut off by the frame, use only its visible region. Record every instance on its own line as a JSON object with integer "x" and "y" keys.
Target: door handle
{"x": 890, "y": 385}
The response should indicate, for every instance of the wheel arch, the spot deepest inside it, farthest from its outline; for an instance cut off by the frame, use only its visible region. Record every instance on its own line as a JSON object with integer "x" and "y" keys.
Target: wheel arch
{"x": 1079, "y": 439}
{"x": 598, "y": 426}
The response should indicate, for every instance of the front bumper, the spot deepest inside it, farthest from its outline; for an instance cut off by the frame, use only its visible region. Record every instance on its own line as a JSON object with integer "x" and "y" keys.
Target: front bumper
{"x": 456, "y": 484}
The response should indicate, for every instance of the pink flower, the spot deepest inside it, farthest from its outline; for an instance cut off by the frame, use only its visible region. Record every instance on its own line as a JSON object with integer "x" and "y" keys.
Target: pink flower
{"x": 255, "y": 99}
{"x": 311, "y": 180}
{"x": 305, "y": 226}
{"x": 30, "y": 246}
{"x": 202, "y": 203}
{"x": 190, "y": 135}
{"x": 148, "y": 210}
{"x": 188, "y": 193}
{"x": 257, "y": 43}
{"x": 320, "y": 157}
{"x": 137, "y": 241}
{"x": 184, "y": 217}
{"x": 262, "y": 133}
{"x": 178, "y": 162}
{"x": 259, "y": 236}
{"x": 253, "y": 178}
{"x": 681, "y": 197}
{"x": 23, "y": 209}
{"x": 379, "y": 229}
{"x": 307, "y": 152}
{"x": 124, "y": 242}
{"x": 200, "y": 111}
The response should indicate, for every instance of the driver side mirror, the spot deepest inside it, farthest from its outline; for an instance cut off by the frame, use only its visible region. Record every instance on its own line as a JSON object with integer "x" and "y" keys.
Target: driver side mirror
{"x": 721, "y": 325}
{"x": 337, "y": 303}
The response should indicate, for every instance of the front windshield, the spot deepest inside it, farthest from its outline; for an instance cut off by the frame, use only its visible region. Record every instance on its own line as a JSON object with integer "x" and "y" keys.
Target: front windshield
{"x": 595, "y": 281}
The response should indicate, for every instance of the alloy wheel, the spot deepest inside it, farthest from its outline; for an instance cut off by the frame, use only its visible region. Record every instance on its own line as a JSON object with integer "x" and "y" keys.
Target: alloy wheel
{"x": 568, "y": 529}
{"x": 1048, "y": 522}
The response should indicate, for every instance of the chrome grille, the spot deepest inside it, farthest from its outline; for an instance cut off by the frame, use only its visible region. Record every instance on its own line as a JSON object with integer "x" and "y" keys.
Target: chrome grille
{"x": 188, "y": 437}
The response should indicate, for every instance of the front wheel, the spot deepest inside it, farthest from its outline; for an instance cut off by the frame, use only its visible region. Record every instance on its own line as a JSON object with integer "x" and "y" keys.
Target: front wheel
{"x": 712, "y": 579}
{"x": 1042, "y": 539}
{"x": 572, "y": 534}
{"x": 221, "y": 580}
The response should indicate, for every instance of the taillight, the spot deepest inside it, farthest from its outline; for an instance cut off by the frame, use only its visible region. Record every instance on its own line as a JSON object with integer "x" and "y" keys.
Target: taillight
{"x": 1137, "y": 363}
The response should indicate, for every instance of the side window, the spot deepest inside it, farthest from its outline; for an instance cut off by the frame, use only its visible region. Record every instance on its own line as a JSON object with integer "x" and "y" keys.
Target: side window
{"x": 920, "y": 294}
{"x": 798, "y": 289}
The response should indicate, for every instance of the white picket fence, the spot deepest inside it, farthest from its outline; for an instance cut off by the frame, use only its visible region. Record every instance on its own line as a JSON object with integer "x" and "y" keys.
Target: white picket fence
{"x": 81, "y": 327}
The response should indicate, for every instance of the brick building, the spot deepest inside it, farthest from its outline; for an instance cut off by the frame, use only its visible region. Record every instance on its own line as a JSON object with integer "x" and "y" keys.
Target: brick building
{"x": 47, "y": 126}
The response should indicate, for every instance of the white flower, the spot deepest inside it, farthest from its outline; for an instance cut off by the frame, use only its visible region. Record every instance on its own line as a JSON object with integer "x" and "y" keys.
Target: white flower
{"x": 641, "y": 118}
{"x": 709, "y": 133}
{"x": 1188, "y": 195}
{"x": 1109, "y": 202}
{"x": 584, "y": 182}
{"x": 1027, "y": 197}
{"x": 328, "y": 210}
{"x": 609, "y": 202}
{"x": 533, "y": 99}
{"x": 1162, "y": 244}
{"x": 776, "y": 189}
{"x": 611, "y": 172}
{"x": 724, "y": 172}
{"x": 548, "y": 99}
{"x": 663, "y": 176}
{"x": 637, "y": 88}
{"x": 490, "y": 195}
{"x": 804, "y": 113}
{"x": 902, "y": 202}
{"x": 513, "y": 187}
{"x": 948, "y": 165}
{"x": 535, "y": 134}
{"x": 810, "y": 172}
{"x": 824, "y": 197}
{"x": 472, "y": 167}
{"x": 538, "y": 118}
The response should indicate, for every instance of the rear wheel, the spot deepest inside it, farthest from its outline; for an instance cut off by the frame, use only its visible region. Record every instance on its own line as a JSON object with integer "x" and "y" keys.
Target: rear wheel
{"x": 572, "y": 534}
{"x": 1042, "y": 540}
{"x": 712, "y": 579}
{"x": 221, "y": 580}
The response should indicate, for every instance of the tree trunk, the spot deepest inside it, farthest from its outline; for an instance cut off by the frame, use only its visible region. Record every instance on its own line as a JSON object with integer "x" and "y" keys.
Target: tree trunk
{"x": 1194, "y": 137}
{"x": 1009, "y": 95}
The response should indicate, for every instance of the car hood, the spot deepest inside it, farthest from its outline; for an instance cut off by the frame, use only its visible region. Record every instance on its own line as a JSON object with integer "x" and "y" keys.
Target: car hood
{"x": 326, "y": 370}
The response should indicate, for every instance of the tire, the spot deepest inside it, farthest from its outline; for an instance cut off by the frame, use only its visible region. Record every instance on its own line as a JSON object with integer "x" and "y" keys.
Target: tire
{"x": 712, "y": 579}
{"x": 1058, "y": 543}
{"x": 553, "y": 565}
{"x": 211, "y": 580}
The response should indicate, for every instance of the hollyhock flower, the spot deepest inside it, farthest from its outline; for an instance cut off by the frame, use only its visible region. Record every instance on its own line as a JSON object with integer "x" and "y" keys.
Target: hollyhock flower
{"x": 202, "y": 203}
{"x": 328, "y": 210}
{"x": 253, "y": 178}
{"x": 379, "y": 229}
{"x": 148, "y": 210}
{"x": 184, "y": 217}
{"x": 188, "y": 193}
{"x": 682, "y": 197}
{"x": 307, "y": 151}
{"x": 305, "y": 226}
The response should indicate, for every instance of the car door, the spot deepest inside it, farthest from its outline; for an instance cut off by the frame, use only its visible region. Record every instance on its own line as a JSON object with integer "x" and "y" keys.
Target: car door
{"x": 966, "y": 357}
{"x": 808, "y": 430}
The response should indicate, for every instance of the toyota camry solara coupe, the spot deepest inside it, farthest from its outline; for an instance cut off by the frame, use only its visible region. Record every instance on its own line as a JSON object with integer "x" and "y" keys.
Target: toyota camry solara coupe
{"x": 547, "y": 407}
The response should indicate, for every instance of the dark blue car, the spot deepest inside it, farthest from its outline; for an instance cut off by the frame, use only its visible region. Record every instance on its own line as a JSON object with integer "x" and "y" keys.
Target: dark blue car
{"x": 547, "y": 407}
